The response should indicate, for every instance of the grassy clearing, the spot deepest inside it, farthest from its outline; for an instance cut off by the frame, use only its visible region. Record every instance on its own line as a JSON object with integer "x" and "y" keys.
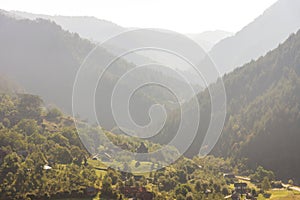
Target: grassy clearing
{"x": 282, "y": 195}
{"x": 142, "y": 169}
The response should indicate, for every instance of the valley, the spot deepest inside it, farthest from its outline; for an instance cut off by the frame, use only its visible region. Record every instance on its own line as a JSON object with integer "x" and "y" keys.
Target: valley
{"x": 64, "y": 134}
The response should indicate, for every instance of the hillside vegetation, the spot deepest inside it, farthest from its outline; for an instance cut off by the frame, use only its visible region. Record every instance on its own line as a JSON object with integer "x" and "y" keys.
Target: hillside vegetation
{"x": 263, "y": 118}
{"x": 41, "y": 157}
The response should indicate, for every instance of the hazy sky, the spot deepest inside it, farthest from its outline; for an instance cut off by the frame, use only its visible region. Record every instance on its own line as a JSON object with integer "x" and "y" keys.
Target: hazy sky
{"x": 185, "y": 16}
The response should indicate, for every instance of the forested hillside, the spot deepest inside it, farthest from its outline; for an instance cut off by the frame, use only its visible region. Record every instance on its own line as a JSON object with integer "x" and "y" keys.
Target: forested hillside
{"x": 40, "y": 151}
{"x": 263, "y": 113}
{"x": 263, "y": 118}
{"x": 42, "y": 157}
{"x": 44, "y": 59}
{"x": 41, "y": 57}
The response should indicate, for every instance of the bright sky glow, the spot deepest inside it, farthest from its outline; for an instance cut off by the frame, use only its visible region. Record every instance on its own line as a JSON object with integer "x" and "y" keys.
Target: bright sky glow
{"x": 185, "y": 16}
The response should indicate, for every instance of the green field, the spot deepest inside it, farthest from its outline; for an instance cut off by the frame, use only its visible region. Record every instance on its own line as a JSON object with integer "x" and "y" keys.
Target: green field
{"x": 282, "y": 195}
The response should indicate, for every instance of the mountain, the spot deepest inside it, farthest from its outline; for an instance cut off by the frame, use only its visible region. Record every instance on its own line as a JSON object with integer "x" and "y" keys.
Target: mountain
{"x": 91, "y": 28}
{"x": 262, "y": 35}
{"x": 98, "y": 30}
{"x": 263, "y": 109}
{"x": 208, "y": 39}
{"x": 45, "y": 59}
{"x": 262, "y": 120}
{"x": 47, "y": 62}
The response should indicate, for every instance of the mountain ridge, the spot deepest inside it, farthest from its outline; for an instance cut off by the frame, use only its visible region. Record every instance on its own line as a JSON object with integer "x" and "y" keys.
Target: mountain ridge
{"x": 263, "y": 34}
{"x": 263, "y": 111}
{"x": 208, "y": 39}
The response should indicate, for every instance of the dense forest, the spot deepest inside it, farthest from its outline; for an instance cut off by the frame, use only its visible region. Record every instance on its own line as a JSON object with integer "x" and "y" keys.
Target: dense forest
{"x": 32, "y": 139}
{"x": 262, "y": 122}
{"x": 263, "y": 111}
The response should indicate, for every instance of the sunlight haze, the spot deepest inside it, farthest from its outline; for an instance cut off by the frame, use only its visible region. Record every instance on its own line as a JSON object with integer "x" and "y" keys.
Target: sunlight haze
{"x": 191, "y": 16}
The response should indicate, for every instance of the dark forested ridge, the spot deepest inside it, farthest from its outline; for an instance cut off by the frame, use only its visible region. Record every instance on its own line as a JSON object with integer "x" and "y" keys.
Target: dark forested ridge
{"x": 263, "y": 113}
{"x": 263, "y": 116}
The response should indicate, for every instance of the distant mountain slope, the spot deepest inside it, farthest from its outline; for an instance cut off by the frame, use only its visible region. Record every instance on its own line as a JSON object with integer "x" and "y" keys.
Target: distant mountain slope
{"x": 208, "y": 39}
{"x": 87, "y": 27}
{"x": 41, "y": 57}
{"x": 98, "y": 30}
{"x": 262, "y": 35}
{"x": 44, "y": 59}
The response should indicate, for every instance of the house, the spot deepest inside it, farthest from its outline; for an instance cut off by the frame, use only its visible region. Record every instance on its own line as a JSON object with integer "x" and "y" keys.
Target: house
{"x": 229, "y": 175}
{"x": 47, "y": 167}
{"x": 240, "y": 188}
{"x": 137, "y": 193}
{"x": 207, "y": 191}
{"x": 95, "y": 158}
{"x": 276, "y": 184}
{"x": 142, "y": 148}
{"x": 137, "y": 177}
